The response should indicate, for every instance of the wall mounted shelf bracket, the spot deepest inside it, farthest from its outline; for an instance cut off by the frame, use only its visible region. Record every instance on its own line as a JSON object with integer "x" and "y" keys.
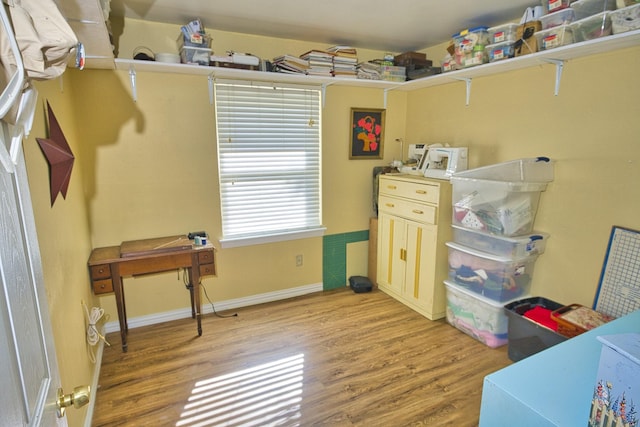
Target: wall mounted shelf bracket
{"x": 210, "y": 80}
{"x": 559, "y": 66}
{"x": 467, "y": 80}
{"x": 132, "y": 78}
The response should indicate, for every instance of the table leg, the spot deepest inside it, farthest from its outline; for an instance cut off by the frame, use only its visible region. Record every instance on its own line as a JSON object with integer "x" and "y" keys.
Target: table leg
{"x": 195, "y": 286}
{"x": 193, "y": 306}
{"x": 122, "y": 315}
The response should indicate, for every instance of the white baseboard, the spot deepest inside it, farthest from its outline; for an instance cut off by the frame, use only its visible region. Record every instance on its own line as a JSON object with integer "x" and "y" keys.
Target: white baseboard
{"x": 182, "y": 313}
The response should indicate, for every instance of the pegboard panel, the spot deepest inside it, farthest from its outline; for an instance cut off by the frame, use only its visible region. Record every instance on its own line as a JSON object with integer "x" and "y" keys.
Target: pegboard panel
{"x": 619, "y": 288}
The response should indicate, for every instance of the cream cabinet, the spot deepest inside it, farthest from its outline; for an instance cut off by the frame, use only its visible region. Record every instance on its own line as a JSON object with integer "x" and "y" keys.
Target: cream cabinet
{"x": 414, "y": 222}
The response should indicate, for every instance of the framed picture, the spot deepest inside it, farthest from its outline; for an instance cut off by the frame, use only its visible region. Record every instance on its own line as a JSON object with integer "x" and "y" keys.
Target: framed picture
{"x": 367, "y": 133}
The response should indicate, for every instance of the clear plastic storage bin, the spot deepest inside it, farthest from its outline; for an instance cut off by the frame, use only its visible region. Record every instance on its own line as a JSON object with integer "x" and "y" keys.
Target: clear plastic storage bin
{"x": 503, "y": 33}
{"x": 513, "y": 247}
{"x": 476, "y": 316}
{"x": 593, "y": 27}
{"x": 551, "y": 6}
{"x": 195, "y": 55}
{"x": 501, "y": 199}
{"x": 496, "y": 277}
{"x": 469, "y": 46}
{"x": 585, "y": 8}
{"x": 555, "y": 37}
{"x": 626, "y": 19}
{"x": 562, "y": 17}
{"x": 498, "y": 51}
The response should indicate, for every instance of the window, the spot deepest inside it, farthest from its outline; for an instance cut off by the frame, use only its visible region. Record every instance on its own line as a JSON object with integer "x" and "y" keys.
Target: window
{"x": 269, "y": 162}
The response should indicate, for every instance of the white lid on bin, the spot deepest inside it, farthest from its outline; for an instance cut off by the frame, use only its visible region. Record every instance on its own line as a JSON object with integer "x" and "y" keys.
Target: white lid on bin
{"x": 487, "y": 255}
{"x": 529, "y": 174}
{"x": 497, "y": 304}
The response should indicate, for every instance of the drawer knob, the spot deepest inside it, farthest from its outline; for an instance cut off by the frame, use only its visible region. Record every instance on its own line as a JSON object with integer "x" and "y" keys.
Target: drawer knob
{"x": 418, "y": 211}
{"x": 391, "y": 187}
{"x": 421, "y": 191}
{"x": 389, "y": 205}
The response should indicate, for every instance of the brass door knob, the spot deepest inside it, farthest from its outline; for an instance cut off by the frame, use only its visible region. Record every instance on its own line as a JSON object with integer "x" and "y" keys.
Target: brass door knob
{"x": 78, "y": 399}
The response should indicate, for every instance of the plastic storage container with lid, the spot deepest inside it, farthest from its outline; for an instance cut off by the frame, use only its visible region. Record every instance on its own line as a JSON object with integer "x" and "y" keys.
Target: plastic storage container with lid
{"x": 593, "y": 27}
{"x": 555, "y": 37}
{"x": 503, "y": 33}
{"x": 555, "y": 19}
{"x": 551, "y": 6}
{"x": 585, "y": 8}
{"x": 626, "y": 19}
{"x": 477, "y": 316}
{"x": 496, "y": 277}
{"x": 513, "y": 247}
{"x": 498, "y": 51}
{"x": 501, "y": 199}
{"x": 469, "y": 46}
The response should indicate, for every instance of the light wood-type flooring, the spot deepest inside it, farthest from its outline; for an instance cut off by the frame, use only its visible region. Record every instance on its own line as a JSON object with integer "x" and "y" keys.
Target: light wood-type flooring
{"x": 327, "y": 359}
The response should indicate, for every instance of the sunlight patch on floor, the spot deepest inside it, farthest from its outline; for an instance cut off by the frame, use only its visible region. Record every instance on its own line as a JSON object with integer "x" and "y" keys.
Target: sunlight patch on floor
{"x": 267, "y": 394}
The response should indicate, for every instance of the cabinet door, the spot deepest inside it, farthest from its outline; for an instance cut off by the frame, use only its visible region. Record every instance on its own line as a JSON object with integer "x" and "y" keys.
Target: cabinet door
{"x": 391, "y": 249}
{"x": 420, "y": 265}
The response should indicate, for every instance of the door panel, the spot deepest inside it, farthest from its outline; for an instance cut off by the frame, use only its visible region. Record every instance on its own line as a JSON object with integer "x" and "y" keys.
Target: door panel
{"x": 421, "y": 244}
{"x": 28, "y": 362}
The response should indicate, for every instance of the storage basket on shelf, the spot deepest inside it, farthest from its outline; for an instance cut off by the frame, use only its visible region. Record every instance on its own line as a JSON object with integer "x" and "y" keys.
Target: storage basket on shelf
{"x": 501, "y": 199}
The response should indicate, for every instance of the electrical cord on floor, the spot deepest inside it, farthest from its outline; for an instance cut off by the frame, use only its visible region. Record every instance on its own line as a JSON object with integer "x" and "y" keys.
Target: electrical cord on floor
{"x": 187, "y": 284}
{"x": 93, "y": 336}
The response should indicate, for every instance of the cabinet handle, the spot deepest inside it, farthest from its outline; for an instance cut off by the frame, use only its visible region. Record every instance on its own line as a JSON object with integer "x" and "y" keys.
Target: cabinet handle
{"x": 421, "y": 191}
{"x": 391, "y": 187}
{"x": 418, "y": 211}
{"x": 389, "y": 205}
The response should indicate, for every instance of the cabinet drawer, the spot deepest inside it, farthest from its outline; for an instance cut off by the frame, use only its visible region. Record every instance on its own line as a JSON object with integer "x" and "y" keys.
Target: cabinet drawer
{"x": 418, "y": 191}
{"x": 205, "y": 257}
{"x": 102, "y": 286}
{"x": 101, "y": 271}
{"x": 406, "y": 209}
{"x": 207, "y": 269}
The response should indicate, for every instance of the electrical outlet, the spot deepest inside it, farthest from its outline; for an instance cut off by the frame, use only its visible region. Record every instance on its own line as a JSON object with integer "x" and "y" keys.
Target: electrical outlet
{"x": 298, "y": 260}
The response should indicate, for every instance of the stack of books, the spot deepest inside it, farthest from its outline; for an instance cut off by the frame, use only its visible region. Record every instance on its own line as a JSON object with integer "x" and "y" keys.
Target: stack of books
{"x": 320, "y": 63}
{"x": 345, "y": 61}
{"x": 290, "y": 64}
{"x": 368, "y": 71}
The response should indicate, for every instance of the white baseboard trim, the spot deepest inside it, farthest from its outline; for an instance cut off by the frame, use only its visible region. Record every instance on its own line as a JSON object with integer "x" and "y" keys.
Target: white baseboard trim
{"x": 182, "y": 313}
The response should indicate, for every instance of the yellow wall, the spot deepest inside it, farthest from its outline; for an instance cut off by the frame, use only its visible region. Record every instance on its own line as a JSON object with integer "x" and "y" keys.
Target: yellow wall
{"x": 590, "y": 129}
{"x": 63, "y": 235}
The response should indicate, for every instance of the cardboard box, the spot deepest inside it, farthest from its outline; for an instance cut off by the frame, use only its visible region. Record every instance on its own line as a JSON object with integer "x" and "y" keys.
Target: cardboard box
{"x": 526, "y": 42}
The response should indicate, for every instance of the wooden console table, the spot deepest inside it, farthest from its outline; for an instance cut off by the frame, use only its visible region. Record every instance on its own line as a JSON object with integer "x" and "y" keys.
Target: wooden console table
{"x": 109, "y": 265}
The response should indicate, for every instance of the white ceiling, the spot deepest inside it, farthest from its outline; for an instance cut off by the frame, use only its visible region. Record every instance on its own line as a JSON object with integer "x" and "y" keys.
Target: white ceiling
{"x": 387, "y": 25}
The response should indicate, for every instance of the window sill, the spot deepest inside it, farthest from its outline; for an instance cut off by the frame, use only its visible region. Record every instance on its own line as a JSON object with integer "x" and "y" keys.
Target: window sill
{"x": 271, "y": 238}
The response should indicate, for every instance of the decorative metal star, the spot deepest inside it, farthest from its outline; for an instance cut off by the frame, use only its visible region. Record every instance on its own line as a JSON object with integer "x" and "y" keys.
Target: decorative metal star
{"x": 59, "y": 156}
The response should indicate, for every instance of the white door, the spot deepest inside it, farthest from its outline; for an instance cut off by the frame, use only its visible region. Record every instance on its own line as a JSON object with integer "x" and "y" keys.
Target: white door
{"x": 29, "y": 377}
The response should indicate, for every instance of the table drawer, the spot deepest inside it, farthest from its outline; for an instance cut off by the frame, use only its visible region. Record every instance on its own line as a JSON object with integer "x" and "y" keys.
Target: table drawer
{"x": 418, "y": 191}
{"x": 205, "y": 257}
{"x": 101, "y": 271}
{"x": 406, "y": 209}
{"x": 102, "y": 286}
{"x": 207, "y": 269}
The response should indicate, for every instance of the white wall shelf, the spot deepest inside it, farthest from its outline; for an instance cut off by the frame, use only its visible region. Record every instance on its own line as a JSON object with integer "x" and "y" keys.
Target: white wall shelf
{"x": 557, "y": 57}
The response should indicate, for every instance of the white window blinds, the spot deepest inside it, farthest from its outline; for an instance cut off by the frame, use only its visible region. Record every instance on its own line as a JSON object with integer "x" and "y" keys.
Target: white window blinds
{"x": 269, "y": 159}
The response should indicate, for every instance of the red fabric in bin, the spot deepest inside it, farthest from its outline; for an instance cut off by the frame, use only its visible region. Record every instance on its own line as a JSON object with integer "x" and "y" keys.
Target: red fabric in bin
{"x": 541, "y": 316}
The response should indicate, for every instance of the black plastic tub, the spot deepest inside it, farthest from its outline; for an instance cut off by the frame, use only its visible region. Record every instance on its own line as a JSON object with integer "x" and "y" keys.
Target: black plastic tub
{"x": 527, "y": 337}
